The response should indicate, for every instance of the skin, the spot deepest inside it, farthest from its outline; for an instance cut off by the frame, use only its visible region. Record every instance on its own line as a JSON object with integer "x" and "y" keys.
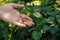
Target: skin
{"x": 9, "y": 14}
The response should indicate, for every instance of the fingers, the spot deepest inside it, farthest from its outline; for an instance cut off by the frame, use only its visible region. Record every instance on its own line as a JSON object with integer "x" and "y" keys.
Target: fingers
{"x": 17, "y": 5}
{"x": 13, "y": 5}
{"x": 29, "y": 23}
{"x": 25, "y": 16}
{"x": 26, "y": 22}
{"x": 19, "y": 24}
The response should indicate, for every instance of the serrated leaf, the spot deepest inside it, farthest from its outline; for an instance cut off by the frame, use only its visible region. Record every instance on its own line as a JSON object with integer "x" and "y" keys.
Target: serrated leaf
{"x": 54, "y": 30}
{"x": 45, "y": 27}
{"x": 37, "y": 14}
{"x": 50, "y": 19}
{"x": 58, "y": 18}
{"x": 36, "y": 35}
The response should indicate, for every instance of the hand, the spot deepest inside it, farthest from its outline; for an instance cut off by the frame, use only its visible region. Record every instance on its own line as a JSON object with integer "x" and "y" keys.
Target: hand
{"x": 9, "y": 14}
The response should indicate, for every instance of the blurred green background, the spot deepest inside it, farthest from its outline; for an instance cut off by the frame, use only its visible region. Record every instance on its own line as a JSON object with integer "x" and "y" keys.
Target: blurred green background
{"x": 46, "y": 15}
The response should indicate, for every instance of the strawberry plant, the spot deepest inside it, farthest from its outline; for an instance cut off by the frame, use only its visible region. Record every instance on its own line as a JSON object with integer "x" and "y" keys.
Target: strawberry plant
{"x": 46, "y": 15}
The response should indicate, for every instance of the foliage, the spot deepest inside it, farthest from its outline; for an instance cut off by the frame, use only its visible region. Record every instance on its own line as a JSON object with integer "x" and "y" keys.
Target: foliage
{"x": 46, "y": 15}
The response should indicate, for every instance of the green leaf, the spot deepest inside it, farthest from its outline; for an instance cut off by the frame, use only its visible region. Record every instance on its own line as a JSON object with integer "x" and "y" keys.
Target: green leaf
{"x": 37, "y": 14}
{"x": 50, "y": 19}
{"x": 36, "y": 35}
{"x": 54, "y": 30}
{"x": 45, "y": 2}
{"x": 45, "y": 27}
{"x": 58, "y": 18}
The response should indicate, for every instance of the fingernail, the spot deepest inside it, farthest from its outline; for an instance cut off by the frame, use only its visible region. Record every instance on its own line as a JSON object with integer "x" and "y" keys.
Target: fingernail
{"x": 32, "y": 23}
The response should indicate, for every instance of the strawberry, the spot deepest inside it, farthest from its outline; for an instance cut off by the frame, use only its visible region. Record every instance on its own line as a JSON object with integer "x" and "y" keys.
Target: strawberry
{"x": 23, "y": 20}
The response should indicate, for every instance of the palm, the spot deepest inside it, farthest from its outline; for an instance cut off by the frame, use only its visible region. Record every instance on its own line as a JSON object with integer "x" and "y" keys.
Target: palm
{"x": 11, "y": 15}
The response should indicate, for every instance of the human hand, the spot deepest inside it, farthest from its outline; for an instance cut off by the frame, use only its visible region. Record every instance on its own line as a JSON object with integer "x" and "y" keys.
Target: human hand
{"x": 9, "y": 14}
